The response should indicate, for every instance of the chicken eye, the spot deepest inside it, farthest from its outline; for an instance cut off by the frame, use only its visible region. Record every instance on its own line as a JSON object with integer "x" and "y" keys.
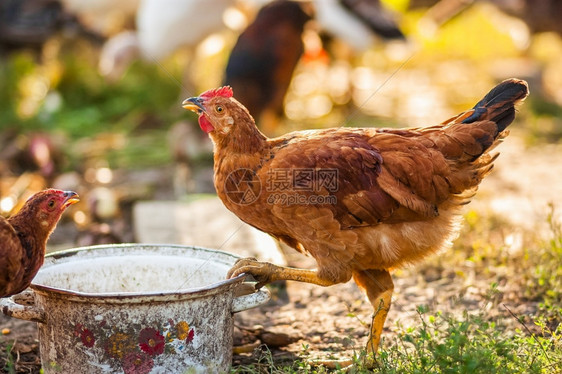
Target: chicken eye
{"x": 51, "y": 204}
{"x": 219, "y": 109}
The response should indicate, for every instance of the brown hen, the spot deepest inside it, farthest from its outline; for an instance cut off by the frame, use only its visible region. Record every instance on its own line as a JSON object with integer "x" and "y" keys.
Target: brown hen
{"x": 23, "y": 238}
{"x": 361, "y": 201}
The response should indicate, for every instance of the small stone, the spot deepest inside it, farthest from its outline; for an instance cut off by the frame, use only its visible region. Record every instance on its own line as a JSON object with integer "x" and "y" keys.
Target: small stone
{"x": 257, "y": 328}
{"x": 277, "y": 339}
{"x": 315, "y": 339}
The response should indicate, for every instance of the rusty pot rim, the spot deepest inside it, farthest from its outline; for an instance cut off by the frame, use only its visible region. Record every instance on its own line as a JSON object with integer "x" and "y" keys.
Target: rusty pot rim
{"x": 134, "y": 297}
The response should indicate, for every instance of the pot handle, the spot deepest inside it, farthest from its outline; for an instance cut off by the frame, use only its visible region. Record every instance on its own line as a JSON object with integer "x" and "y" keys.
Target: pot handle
{"x": 22, "y": 306}
{"x": 251, "y": 300}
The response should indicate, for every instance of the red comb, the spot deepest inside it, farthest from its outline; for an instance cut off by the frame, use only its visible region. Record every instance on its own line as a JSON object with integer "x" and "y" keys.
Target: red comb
{"x": 225, "y": 91}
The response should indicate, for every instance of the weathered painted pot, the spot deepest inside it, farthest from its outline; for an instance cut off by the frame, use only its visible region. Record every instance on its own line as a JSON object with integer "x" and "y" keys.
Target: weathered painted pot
{"x": 134, "y": 308}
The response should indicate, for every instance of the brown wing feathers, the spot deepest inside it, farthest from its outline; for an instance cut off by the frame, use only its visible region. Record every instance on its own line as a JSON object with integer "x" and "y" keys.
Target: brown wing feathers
{"x": 465, "y": 144}
{"x": 453, "y": 158}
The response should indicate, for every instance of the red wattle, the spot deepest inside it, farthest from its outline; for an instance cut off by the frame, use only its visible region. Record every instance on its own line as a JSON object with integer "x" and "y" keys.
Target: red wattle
{"x": 205, "y": 124}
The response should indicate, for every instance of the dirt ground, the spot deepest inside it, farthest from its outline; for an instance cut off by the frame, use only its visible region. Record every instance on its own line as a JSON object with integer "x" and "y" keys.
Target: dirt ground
{"x": 333, "y": 322}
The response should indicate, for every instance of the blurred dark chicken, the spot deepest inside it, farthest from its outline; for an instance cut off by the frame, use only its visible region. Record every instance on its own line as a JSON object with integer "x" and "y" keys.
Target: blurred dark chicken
{"x": 261, "y": 63}
{"x": 30, "y": 23}
{"x": 23, "y": 238}
{"x": 375, "y": 16}
{"x": 539, "y": 15}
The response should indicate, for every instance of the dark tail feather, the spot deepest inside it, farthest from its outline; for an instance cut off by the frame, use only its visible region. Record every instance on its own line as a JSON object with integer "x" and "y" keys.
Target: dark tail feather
{"x": 499, "y": 104}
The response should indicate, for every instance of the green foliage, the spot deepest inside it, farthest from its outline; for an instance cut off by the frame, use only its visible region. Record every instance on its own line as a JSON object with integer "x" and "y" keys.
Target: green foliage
{"x": 68, "y": 97}
{"x": 9, "y": 366}
{"x": 12, "y": 71}
{"x": 90, "y": 106}
{"x": 545, "y": 123}
{"x": 545, "y": 282}
{"x": 485, "y": 242}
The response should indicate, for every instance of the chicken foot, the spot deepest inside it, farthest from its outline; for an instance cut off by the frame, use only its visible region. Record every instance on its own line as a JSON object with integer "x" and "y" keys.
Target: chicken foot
{"x": 265, "y": 272}
{"x": 378, "y": 287}
{"x": 376, "y": 284}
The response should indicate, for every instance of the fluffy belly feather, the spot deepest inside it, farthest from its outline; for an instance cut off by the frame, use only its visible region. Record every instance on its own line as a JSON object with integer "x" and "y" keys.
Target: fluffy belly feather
{"x": 391, "y": 245}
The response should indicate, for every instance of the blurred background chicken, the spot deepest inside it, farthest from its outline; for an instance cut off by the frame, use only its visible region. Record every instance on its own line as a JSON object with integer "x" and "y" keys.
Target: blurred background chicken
{"x": 539, "y": 15}
{"x": 261, "y": 64}
{"x": 263, "y": 60}
{"x": 30, "y": 23}
{"x": 357, "y": 22}
{"x": 161, "y": 29}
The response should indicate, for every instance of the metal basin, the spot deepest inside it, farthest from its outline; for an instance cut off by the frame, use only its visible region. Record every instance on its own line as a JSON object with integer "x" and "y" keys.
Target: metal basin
{"x": 134, "y": 308}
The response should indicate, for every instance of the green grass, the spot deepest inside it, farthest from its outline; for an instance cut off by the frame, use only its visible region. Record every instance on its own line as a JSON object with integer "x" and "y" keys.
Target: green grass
{"x": 471, "y": 344}
{"x": 443, "y": 343}
{"x": 9, "y": 365}
{"x": 546, "y": 280}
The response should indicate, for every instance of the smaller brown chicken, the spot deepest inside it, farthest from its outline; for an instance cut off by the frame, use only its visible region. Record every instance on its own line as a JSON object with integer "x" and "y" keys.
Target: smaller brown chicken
{"x": 23, "y": 238}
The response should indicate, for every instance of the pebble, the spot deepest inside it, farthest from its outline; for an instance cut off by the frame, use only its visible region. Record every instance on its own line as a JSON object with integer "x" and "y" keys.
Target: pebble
{"x": 315, "y": 339}
{"x": 277, "y": 339}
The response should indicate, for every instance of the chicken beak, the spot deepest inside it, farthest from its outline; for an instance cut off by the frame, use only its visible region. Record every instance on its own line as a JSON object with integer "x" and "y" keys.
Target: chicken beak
{"x": 195, "y": 104}
{"x": 70, "y": 198}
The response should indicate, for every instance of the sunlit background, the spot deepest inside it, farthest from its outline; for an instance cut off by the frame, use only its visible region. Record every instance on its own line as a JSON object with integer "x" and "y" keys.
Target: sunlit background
{"x": 90, "y": 91}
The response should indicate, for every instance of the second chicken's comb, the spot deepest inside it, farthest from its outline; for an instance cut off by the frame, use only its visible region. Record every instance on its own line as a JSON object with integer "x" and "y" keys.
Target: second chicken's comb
{"x": 225, "y": 91}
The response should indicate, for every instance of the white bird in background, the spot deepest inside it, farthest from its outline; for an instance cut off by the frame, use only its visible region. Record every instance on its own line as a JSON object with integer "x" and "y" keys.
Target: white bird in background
{"x": 117, "y": 54}
{"x": 356, "y": 21}
{"x": 163, "y": 26}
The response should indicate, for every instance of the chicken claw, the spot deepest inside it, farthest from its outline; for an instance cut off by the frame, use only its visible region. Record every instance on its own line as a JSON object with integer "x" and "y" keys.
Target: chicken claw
{"x": 261, "y": 271}
{"x": 265, "y": 272}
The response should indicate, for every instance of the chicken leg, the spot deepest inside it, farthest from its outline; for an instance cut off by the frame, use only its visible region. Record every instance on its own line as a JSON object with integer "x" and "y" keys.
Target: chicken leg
{"x": 378, "y": 287}
{"x": 376, "y": 284}
{"x": 265, "y": 272}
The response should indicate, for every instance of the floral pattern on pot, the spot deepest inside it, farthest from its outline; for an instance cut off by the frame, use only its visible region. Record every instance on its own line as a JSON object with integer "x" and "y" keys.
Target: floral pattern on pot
{"x": 134, "y": 350}
{"x": 151, "y": 341}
